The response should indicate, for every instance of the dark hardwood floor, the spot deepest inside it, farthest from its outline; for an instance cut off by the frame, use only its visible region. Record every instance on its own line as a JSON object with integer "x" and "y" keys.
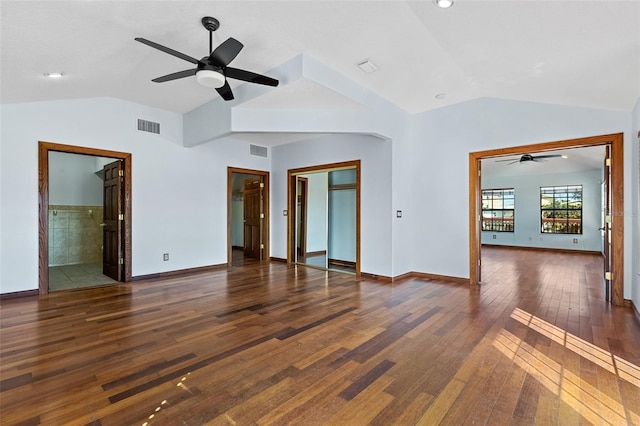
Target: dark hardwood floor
{"x": 275, "y": 344}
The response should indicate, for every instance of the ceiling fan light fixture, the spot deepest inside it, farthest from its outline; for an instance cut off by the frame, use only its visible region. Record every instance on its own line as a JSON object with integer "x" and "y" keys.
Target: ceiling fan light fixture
{"x": 210, "y": 78}
{"x": 53, "y": 75}
{"x": 444, "y": 4}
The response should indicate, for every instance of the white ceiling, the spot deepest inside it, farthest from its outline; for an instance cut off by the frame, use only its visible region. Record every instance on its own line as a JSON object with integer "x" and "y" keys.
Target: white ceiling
{"x": 571, "y": 52}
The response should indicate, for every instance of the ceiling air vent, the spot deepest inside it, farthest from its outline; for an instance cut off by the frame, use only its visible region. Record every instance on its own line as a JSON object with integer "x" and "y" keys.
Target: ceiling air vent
{"x": 257, "y": 150}
{"x": 148, "y": 126}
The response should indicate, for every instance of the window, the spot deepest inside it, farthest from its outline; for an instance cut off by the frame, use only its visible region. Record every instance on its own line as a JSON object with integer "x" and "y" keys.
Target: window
{"x": 561, "y": 209}
{"x": 498, "y": 206}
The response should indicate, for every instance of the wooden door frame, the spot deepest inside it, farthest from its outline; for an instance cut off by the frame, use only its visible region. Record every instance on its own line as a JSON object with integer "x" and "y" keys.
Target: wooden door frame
{"x": 265, "y": 228}
{"x": 291, "y": 203}
{"x": 43, "y": 204}
{"x": 615, "y": 141}
{"x": 303, "y": 211}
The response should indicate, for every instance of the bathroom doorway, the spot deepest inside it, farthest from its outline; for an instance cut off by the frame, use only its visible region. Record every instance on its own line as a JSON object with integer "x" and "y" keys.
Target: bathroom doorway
{"x": 84, "y": 222}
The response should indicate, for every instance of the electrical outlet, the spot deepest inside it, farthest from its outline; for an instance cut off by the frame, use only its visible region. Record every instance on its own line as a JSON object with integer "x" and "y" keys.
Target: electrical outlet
{"x": 494, "y": 236}
{"x": 165, "y": 257}
{"x": 575, "y": 241}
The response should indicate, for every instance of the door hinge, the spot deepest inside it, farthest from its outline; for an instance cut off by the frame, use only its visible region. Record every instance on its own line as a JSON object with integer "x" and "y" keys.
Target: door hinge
{"x": 261, "y": 245}
{"x": 608, "y": 276}
{"x": 120, "y": 172}
{"x": 121, "y": 261}
{"x": 120, "y": 216}
{"x": 607, "y": 218}
{"x": 261, "y": 184}
{"x": 479, "y": 172}
{"x": 607, "y": 162}
{"x": 261, "y": 215}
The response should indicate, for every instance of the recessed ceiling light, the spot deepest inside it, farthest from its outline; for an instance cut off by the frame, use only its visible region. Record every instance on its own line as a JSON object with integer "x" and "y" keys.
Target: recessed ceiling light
{"x": 443, "y": 3}
{"x": 440, "y": 96}
{"x": 53, "y": 74}
{"x": 565, "y": 156}
{"x": 367, "y": 66}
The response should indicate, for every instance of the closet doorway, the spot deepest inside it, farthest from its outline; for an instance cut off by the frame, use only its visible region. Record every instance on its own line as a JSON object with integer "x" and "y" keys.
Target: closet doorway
{"x": 324, "y": 217}
{"x": 247, "y": 216}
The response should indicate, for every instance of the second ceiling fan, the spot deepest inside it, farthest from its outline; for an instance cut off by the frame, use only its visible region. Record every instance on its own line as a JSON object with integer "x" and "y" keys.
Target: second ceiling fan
{"x": 212, "y": 70}
{"x": 535, "y": 158}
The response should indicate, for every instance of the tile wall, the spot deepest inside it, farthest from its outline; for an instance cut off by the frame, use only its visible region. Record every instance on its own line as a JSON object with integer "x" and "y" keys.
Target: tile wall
{"x": 75, "y": 235}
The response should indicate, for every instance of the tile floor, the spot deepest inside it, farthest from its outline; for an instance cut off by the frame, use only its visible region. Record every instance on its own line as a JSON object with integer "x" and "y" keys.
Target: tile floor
{"x": 77, "y": 276}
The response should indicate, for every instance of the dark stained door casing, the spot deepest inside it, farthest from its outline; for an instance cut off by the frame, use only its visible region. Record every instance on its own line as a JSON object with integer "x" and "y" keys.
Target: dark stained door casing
{"x": 253, "y": 217}
{"x": 112, "y": 221}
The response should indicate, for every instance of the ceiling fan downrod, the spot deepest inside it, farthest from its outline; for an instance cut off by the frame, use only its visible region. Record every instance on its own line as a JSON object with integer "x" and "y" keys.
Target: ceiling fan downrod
{"x": 211, "y": 24}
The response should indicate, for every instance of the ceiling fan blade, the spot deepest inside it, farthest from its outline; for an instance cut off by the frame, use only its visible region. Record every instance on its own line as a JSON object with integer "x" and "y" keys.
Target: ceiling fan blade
{"x": 251, "y": 77}
{"x": 510, "y": 159}
{"x": 175, "y": 75}
{"x": 547, "y": 156}
{"x": 226, "y": 52}
{"x": 225, "y": 92}
{"x": 167, "y": 50}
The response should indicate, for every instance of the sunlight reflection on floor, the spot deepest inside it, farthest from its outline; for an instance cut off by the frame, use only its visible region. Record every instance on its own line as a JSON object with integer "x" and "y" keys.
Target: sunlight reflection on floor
{"x": 594, "y": 405}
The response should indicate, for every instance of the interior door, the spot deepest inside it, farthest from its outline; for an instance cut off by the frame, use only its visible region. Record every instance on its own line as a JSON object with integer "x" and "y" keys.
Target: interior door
{"x": 112, "y": 223}
{"x": 606, "y": 224}
{"x": 253, "y": 217}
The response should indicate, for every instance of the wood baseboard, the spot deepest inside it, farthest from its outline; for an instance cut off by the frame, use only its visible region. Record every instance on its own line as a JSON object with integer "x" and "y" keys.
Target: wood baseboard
{"x": 422, "y": 275}
{"x": 553, "y": 250}
{"x": 404, "y": 276}
{"x": 179, "y": 272}
{"x": 376, "y": 277}
{"x": 635, "y": 311}
{"x": 278, "y": 259}
{"x": 18, "y": 294}
{"x": 237, "y": 248}
{"x": 343, "y": 263}
{"x": 435, "y": 277}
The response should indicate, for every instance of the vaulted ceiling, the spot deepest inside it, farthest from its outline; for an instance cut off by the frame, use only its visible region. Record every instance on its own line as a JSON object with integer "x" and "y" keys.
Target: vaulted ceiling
{"x": 571, "y": 52}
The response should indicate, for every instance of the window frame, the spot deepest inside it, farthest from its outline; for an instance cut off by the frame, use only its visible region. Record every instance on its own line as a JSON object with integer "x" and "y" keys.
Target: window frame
{"x": 502, "y": 210}
{"x": 567, "y": 210}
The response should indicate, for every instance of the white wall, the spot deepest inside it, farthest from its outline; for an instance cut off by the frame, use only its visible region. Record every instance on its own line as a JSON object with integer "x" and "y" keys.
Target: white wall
{"x": 237, "y": 223}
{"x": 442, "y": 140}
{"x": 72, "y": 180}
{"x": 527, "y": 211}
{"x": 375, "y": 156}
{"x": 178, "y": 194}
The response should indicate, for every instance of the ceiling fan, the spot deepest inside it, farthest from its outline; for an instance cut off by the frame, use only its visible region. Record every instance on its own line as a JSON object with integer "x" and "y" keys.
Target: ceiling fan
{"x": 535, "y": 158}
{"x": 213, "y": 70}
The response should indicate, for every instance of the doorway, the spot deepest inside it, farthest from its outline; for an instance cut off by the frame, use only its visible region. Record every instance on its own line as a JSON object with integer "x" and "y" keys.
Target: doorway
{"x": 247, "y": 215}
{"x": 324, "y": 217}
{"x": 122, "y": 226}
{"x": 613, "y": 256}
